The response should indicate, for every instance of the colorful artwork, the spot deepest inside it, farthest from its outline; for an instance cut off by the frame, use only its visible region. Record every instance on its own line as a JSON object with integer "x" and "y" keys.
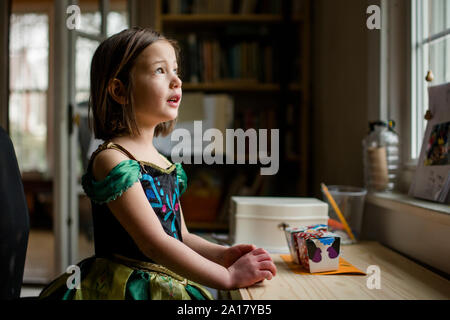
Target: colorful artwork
{"x": 432, "y": 176}
{"x": 438, "y": 147}
{"x": 314, "y": 248}
{"x": 290, "y": 237}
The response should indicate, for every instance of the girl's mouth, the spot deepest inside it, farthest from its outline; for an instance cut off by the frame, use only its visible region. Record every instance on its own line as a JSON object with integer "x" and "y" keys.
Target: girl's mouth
{"x": 174, "y": 101}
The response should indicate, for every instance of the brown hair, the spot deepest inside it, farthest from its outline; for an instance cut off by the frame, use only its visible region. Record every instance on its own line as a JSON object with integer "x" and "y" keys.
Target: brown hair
{"x": 114, "y": 59}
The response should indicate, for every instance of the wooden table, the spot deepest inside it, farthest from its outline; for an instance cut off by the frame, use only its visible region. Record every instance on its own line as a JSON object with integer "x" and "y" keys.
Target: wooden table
{"x": 401, "y": 278}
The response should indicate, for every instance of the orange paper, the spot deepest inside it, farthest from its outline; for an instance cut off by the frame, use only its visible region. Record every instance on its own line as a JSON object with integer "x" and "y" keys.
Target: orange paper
{"x": 344, "y": 267}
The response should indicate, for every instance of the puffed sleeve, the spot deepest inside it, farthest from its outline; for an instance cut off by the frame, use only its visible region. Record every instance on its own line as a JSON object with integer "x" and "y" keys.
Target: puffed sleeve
{"x": 182, "y": 177}
{"x": 119, "y": 179}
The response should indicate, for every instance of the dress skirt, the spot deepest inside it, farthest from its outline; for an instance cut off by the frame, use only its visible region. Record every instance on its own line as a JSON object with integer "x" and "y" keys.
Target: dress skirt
{"x": 121, "y": 278}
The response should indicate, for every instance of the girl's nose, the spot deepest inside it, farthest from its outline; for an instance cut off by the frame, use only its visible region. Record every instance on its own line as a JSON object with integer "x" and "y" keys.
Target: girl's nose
{"x": 176, "y": 82}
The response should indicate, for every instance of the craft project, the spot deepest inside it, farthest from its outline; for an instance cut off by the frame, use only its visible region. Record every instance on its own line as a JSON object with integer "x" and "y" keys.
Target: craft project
{"x": 292, "y": 243}
{"x": 432, "y": 176}
{"x": 314, "y": 248}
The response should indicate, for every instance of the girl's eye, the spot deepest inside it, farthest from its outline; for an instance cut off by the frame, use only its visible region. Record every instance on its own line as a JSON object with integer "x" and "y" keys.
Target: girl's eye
{"x": 159, "y": 70}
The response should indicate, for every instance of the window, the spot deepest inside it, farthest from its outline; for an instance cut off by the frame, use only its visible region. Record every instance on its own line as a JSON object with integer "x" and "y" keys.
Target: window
{"x": 29, "y": 47}
{"x": 117, "y": 20}
{"x": 29, "y": 108}
{"x": 430, "y": 52}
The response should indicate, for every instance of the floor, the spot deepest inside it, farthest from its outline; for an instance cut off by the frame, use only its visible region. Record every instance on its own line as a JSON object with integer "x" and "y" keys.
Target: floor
{"x": 30, "y": 291}
{"x": 39, "y": 262}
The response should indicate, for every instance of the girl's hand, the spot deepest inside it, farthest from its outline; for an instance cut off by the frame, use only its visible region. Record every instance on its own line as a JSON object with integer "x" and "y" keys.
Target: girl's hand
{"x": 253, "y": 267}
{"x": 230, "y": 255}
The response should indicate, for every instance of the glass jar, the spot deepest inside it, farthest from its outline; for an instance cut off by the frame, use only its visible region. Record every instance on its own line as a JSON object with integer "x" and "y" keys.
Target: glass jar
{"x": 381, "y": 157}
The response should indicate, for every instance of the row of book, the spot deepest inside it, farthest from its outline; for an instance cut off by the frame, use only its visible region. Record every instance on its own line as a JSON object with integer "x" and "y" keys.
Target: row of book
{"x": 208, "y": 60}
{"x": 222, "y": 6}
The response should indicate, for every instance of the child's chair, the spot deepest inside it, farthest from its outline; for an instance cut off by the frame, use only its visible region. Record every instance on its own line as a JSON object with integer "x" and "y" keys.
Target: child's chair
{"x": 14, "y": 222}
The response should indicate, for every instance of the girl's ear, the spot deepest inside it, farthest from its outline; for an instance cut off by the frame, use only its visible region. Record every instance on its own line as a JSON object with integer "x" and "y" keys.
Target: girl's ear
{"x": 117, "y": 91}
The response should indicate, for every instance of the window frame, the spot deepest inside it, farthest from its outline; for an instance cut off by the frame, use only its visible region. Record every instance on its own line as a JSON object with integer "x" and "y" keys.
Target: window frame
{"x": 420, "y": 42}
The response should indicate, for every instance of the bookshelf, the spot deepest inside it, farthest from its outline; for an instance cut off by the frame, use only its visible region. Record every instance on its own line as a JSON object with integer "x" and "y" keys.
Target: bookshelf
{"x": 257, "y": 52}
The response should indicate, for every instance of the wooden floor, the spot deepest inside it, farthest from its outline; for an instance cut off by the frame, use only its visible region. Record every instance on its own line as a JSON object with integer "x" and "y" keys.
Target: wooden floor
{"x": 39, "y": 262}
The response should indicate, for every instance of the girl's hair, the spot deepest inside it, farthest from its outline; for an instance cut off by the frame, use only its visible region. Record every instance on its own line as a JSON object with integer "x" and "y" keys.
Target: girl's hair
{"x": 114, "y": 59}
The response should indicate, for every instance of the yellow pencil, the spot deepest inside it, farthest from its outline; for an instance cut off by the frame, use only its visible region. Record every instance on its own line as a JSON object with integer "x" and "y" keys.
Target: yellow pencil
{"x": 338, "y": 212}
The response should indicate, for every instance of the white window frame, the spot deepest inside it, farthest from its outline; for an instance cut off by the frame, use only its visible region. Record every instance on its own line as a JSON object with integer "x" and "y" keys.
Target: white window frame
{"x": 420, "y": 40}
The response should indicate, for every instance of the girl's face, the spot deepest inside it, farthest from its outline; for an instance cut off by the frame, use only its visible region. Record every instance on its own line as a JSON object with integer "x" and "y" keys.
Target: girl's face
{"x": 156, "y": 85}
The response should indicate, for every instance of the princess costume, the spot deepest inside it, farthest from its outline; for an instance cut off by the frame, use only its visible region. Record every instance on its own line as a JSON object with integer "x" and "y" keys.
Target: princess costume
{"x": 119, "y": 270}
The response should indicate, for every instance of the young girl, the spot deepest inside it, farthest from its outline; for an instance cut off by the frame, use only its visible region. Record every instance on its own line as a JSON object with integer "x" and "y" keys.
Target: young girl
{"x": 143, "y": 249}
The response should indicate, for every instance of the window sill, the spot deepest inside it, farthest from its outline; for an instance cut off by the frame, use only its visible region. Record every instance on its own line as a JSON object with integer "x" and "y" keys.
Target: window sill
{"x": 417, "y": 228}
{"x": 396, "y": 200}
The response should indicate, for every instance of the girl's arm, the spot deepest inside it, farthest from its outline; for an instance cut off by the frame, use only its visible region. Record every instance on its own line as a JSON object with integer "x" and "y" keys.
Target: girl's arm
{"x": 222, "y": 255}
{"x": 136, "y": 215}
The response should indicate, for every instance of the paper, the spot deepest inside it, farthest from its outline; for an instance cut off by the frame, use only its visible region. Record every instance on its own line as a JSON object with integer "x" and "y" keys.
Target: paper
{"x": 344, "y": 267}
{"x": 432, "y": 178}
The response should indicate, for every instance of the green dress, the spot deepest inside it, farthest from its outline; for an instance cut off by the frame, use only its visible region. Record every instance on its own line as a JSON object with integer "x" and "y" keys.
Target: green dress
{"x": 119, "y": 270}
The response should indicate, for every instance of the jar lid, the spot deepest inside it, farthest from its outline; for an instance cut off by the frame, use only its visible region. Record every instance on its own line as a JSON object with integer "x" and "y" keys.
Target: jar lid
{"x": 390, "y": 124}
{"x": 378, "y": 123}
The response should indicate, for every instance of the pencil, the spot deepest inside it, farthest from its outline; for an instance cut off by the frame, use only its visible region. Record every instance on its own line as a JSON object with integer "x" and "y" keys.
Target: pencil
{"x": 338, "y": 212}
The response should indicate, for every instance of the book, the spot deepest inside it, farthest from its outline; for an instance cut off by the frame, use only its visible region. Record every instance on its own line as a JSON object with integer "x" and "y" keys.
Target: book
{"x": 194, "y": 59}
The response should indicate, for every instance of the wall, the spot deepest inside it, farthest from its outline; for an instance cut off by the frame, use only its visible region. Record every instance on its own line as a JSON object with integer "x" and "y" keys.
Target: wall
{"x": 340, "y": 92}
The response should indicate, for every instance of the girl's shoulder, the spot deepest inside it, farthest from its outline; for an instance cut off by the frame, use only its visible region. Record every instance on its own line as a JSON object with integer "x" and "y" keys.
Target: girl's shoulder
{"x": 105, "y": 161}
{"x": 109, "y": 174}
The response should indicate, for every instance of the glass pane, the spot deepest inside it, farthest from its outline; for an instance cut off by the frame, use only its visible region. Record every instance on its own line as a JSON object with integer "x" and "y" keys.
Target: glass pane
{"x": 91, "y": 19}
{"x": 28, "y": 123}
{"x": 439, "y": 62}
{"x": 438, "y": 16}
{"x": 117, "y": 17}
{"x": 85, "y": 49}
{"x": 29, "y": 83}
